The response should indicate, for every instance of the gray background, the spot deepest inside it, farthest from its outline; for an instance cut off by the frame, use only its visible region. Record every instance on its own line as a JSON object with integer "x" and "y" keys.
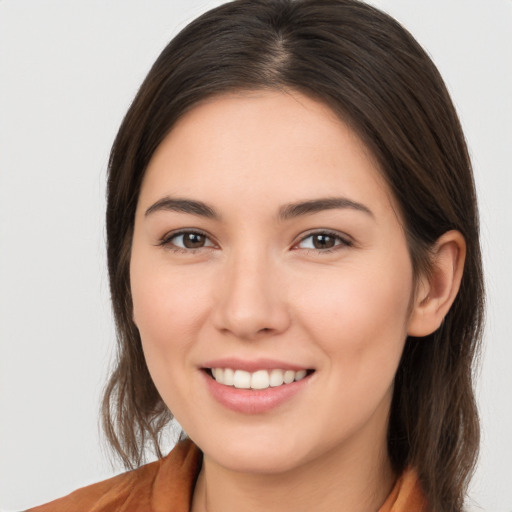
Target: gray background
{"x": 68, "y": 71}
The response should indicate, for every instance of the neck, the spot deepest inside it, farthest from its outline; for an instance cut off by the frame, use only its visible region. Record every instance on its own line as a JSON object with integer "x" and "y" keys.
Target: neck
{"x": 337, "y": 481}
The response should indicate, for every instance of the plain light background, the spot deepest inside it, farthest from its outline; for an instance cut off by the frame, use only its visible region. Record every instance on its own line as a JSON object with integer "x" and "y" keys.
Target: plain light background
{"x": 68, "y": 71}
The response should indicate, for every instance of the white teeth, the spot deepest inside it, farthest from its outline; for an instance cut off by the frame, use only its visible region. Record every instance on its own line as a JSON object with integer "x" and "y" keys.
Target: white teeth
{"x": 276, "y": 378}
{"x": 289, "y": 376}
{"x": 261, "y": 379}
{"x": 298, "y": 375}
{"x": 241, "y": 380}
{"x": 229, "y": 377}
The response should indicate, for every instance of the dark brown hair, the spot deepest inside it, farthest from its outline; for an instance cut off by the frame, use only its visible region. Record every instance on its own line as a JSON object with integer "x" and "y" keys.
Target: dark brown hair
{"x": 375, "y": 76}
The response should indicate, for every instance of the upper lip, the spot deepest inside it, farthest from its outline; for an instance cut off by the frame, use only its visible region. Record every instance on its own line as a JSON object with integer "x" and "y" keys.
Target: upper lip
{"x": 253, "y": 365}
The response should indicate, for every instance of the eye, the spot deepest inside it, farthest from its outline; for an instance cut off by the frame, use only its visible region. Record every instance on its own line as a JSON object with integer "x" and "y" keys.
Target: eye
{"x": 323, "y": 241}
{"x": 186, "y": 240}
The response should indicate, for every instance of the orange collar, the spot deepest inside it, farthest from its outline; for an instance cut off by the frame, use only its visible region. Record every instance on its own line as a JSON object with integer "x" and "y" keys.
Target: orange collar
{"x": 407, "y": 495}
{"x": 171, "y": 480}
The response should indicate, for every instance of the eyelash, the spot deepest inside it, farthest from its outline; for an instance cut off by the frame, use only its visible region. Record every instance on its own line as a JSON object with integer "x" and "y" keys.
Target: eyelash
{"x": 166, "y": 241}
{"x": 343, "y": 241}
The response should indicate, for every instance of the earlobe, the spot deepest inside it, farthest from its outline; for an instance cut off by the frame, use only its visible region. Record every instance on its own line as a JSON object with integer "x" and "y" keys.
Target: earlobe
{"x": 436, "y": 292}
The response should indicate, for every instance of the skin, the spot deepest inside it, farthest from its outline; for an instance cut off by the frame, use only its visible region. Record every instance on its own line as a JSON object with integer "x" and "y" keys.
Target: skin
{"x": 260, "y": 288}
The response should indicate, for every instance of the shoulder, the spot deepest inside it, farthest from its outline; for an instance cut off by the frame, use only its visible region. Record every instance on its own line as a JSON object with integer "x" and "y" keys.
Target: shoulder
{"x": 170, "y": 480}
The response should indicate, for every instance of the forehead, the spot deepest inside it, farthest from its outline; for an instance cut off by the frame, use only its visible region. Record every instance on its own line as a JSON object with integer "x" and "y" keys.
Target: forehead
{"x": 280, "y": 146}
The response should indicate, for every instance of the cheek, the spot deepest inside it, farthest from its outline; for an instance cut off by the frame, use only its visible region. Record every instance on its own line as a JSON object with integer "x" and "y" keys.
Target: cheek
{"x": 169, "y": 306}
{"x": 359, "y": 315}
{"x": 169, "y": 309}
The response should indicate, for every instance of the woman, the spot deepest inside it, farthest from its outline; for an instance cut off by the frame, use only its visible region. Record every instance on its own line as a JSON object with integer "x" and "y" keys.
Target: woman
{"x": 295, "y": 271}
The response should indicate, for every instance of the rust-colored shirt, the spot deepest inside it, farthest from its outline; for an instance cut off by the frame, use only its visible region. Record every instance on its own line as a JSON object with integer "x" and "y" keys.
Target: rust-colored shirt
{"x": 167, "y": 485}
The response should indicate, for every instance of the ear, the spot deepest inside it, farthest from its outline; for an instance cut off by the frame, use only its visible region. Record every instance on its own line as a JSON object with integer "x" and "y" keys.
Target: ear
{"x": 436, "y": 292}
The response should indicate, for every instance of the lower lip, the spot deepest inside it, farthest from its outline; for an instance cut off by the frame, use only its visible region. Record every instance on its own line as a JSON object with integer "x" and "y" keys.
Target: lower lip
{"x": 257, "y": 401}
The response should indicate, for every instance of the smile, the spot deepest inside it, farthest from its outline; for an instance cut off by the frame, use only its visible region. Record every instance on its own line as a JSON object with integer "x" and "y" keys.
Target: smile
{"x": 258, "y": 380}
{"x": 254, "y": 390}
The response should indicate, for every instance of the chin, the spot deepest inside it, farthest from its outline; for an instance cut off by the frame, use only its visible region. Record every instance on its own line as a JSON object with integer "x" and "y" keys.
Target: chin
{"x": 257, "y": 461}
{"x": 256, "y": 452}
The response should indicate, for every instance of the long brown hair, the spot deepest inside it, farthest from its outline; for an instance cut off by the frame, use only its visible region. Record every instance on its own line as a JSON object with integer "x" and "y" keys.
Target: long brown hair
{"x": 376, "y": 77}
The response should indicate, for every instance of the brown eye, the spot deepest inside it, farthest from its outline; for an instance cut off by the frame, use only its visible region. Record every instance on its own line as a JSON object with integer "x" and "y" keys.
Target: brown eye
{"x": 187, "y": 240}
{"x": 193, "y": 240}
{"x": 323, "y": 241}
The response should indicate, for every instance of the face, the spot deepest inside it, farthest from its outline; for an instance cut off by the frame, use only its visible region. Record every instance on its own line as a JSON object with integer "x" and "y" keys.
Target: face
{"x": 271, "y": 282}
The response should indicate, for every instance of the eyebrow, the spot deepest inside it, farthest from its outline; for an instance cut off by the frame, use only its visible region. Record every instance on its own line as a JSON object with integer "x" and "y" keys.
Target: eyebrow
{"x": 183, "y": 206}
{"x": 286, "y": 212}
{"x": 317, "y": 205}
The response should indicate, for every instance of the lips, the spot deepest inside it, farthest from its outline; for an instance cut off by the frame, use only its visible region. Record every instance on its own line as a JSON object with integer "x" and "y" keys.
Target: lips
{"x": 254, "y": 387}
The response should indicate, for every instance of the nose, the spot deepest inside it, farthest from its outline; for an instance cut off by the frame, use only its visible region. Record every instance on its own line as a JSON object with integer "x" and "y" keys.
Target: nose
{"x": 251, "y": 302}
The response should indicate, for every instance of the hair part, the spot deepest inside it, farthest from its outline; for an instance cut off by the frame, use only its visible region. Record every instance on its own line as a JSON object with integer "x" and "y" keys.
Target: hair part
{"x": 373, "y": 74}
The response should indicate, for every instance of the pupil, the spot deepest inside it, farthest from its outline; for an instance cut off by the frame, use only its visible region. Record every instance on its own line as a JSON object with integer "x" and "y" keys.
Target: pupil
{"x": 323, "y": 241}
{"x": 193, "y": 240}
